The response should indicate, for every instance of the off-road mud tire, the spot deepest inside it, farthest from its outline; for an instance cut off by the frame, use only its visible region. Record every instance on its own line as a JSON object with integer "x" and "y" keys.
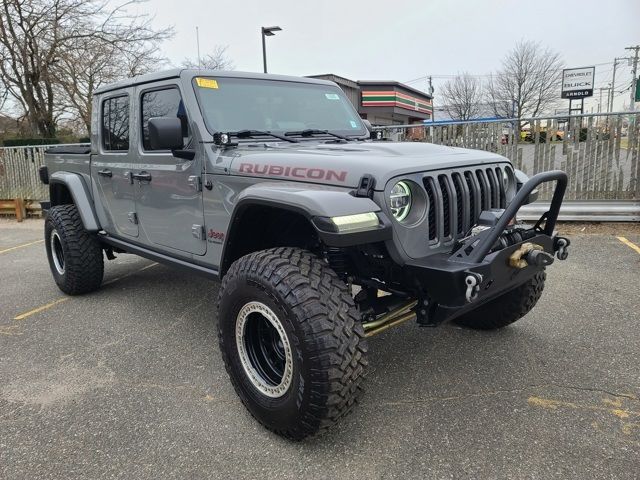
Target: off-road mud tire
{"x": 322, "y": 326}
{"x": 507, "y": 308}
{"x": 83, "y": 264}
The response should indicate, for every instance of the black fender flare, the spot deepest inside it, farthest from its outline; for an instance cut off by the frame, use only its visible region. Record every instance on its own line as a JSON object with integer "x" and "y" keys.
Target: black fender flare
{"x": 81, "y": 197}
{"x": 317, "y": 204}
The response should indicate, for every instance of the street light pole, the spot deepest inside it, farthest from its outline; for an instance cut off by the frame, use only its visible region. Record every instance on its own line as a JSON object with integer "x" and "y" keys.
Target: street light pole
{"x": 267, "y": 32}
{"x": 264, "y": 52}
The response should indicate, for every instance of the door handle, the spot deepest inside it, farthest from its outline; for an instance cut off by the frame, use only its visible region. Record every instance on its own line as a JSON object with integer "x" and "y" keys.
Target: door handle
{"x": 142, "y": 176}
{"x": 105, "y": 173}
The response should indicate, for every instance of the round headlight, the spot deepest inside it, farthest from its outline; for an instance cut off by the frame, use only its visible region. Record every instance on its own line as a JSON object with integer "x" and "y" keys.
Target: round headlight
{"x": 400, "y": 201}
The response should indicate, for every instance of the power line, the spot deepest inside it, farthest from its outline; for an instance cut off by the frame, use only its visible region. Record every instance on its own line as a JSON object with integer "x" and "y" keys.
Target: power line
{"x": 447, "y": 76}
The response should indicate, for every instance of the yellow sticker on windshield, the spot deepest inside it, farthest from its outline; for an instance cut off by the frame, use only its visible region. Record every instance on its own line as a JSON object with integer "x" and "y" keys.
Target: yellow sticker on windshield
{"x": 206, "y": 82}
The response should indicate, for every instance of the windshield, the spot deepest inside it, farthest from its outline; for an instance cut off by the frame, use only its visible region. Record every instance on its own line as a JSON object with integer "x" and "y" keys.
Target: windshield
{"x": 234, "y": 104}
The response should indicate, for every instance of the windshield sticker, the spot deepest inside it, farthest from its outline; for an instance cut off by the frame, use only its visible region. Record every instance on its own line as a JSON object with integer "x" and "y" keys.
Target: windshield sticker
{"x": 206, "y": 82}
{"x": 354, "y": 124}
{"x": 332, "y": 96}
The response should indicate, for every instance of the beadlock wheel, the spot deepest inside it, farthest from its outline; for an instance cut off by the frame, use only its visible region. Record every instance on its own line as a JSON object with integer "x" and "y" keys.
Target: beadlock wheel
{"x": 74, "y": 255}
{"x": 291, "y": 340}
{"x": 264, "y": 349}
{"x": 57, "y": 254}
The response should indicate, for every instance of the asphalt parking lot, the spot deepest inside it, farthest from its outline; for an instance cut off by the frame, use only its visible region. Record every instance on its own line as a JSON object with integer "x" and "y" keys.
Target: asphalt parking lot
{"x": 127, "y": 382}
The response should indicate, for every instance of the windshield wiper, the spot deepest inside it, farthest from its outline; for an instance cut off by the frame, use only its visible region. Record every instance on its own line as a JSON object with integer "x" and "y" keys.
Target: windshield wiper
{"x": 309, "y": 132}
{"x": 253, "y": 133}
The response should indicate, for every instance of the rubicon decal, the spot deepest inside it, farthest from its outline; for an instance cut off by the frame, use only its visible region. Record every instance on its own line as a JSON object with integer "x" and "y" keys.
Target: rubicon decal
{"x": 293, "y": 172}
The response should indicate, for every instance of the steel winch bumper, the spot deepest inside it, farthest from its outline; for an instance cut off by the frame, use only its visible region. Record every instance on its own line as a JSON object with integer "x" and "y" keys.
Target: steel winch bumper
{"x": 495, "y": 260}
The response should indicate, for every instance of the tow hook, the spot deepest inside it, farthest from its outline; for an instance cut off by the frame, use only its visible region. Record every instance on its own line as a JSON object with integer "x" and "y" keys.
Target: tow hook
{"x": 530, "y": 254}
{"x": 472, "y": 281}
{"x": 561, "y": 246}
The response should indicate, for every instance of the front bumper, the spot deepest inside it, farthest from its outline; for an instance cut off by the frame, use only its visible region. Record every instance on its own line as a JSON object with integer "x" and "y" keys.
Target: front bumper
{"x": 481, "y": 267}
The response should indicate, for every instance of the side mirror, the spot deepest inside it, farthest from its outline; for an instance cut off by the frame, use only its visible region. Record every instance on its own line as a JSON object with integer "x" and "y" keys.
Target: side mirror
{"x": 521, "y": 179}
{"x": 533, "y": 196}
{"x": 373, "y": 134}
{"x": 165, "y": 133}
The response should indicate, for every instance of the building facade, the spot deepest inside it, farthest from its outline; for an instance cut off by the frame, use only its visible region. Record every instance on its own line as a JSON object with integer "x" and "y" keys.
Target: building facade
{"x": 385, "y": 102}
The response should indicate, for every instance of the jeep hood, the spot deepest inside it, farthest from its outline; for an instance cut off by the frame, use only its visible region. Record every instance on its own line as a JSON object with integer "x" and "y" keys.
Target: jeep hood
{"x": 344, "y": 164}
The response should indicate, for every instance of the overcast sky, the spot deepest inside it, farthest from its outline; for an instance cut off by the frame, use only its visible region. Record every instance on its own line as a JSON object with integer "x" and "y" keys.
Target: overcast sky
{"x": 403, "y": 40}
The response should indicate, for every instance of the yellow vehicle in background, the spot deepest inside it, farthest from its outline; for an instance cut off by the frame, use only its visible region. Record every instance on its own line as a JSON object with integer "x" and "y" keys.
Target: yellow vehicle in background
{"x": 527, "y": 135}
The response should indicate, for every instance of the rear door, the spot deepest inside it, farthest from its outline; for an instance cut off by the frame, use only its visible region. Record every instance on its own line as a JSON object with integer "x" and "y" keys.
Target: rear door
{"x": 168, "y": 189}
{"x": 111, "y": 166}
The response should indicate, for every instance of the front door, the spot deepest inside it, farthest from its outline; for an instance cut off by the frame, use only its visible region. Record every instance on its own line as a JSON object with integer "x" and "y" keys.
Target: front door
{"x": 111, "y": 167}
{"x": 168, "y": 191}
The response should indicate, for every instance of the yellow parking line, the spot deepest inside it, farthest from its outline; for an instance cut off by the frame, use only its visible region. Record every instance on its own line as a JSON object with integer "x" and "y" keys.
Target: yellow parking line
{"x": 20, "y": 246}
{"x": 129, "y": 274}
{"x": 628, "y": 243}
{"x": 24, "y": 315}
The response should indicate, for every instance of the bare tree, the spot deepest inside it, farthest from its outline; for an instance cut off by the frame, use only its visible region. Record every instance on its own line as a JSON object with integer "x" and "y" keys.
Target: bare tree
{"x": 216, "y": 60}
{"x": 94, "y": 62}
{"x": 462, "y": 97}
{"x": 528, "y": 83}
{"x": 4, "y": 94}
{"x": 36, "y": 36}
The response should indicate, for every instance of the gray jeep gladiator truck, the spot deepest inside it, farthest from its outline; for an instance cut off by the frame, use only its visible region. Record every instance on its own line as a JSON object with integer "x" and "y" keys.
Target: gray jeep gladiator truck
{"x": 321, "y": 235}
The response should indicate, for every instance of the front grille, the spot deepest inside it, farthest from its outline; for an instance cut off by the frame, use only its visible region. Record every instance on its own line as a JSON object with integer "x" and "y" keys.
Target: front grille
{"x": 461, "y": 214}
{"x": 433, "y": 208}
{"x": 473, "y": 195}
{"x": 483, "y": 189}
{"x": 446, "y": 214}
{"x": 455, "y": 201}
{"x": 503, "y": 194}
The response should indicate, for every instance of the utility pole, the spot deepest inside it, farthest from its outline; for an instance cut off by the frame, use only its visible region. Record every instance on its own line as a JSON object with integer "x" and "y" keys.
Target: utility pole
{"x": 634, "y": 73}
{"x": 433, "y": 110}
{"x": 613, "y": 83}
{"x": 600, "y": 103}
{"x": 616, "y": 61}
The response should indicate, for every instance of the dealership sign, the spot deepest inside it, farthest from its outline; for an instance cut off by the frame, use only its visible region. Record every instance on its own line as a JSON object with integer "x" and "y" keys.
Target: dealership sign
{"x": 577, "y": 82}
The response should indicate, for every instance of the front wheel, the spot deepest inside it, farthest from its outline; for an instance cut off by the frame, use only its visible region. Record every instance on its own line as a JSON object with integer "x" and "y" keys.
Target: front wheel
{"x": 75, "y": 255}
{"x": 291, "y": 341}
{"x": 507, "y": 308}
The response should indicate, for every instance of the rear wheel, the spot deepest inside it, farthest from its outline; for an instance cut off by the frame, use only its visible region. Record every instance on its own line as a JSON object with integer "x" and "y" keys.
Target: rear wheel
{"x": 75, "y": 255}
{"x": 291, "y": 341}
{"x": 507, "y": 308}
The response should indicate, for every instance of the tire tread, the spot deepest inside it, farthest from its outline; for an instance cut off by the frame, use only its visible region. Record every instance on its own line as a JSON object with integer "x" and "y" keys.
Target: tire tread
{"x": 332, "y": 332}
{"x": 507, "y": 308}
{"x": 84, "y": 263}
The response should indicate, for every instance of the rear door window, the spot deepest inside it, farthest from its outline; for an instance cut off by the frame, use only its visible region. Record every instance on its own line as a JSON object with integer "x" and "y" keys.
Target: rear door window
{"x": 115, "y": 124}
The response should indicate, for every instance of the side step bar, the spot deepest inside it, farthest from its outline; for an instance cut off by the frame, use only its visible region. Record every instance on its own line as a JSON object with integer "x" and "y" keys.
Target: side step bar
{"x": 210, "y": 273}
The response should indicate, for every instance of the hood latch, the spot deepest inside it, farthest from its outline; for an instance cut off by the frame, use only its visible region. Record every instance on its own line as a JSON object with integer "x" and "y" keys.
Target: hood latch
{"x": 366, "y": 184}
